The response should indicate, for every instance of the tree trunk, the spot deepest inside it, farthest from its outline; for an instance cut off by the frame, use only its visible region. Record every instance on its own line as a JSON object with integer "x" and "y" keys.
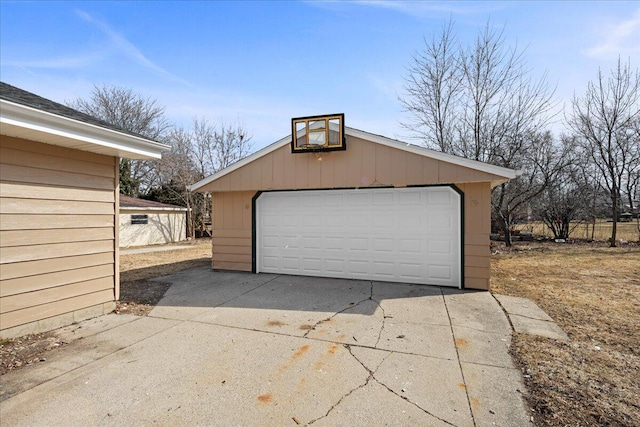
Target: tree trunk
{"x": 614, "y": 212}
{"x": 504, "y": 220}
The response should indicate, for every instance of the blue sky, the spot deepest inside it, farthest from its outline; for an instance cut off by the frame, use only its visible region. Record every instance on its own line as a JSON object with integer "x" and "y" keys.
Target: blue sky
{"x": 265, "y": 62}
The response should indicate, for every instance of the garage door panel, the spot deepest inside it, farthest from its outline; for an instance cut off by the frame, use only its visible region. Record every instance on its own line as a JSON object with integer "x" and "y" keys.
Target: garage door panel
{"x": 441, "y": 247}
{"x": 334, "y": 265}
{"x": 358, "y": 199}
{"x": 439, "y": 272}
{"x": 407, "y": 235}
{"x": 440, "y": 196}
{"x": 358, "y": 244}
{"x": 384, "y": 244}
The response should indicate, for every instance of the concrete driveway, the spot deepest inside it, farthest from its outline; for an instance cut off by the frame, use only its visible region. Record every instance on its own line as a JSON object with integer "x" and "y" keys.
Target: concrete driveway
{"x": 245, "y": 349}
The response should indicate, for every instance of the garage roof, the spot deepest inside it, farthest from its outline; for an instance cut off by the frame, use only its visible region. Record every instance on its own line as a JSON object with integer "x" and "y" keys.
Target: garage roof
{"x": 29, "y": 116}
{"x": 132, "y": 203}
{"x": 504, "y": 174}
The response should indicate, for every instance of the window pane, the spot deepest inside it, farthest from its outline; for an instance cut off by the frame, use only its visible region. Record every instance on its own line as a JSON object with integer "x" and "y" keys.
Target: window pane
{"x": 301, "y": 133}
{"x": 334, "y": 132}
{"x": 317, "y": 138}
{"x": 316, "y": 124}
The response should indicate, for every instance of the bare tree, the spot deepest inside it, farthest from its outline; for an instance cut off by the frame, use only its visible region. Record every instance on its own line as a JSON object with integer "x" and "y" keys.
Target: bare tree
{"x": 131, "y": 112}
{"x": 565, "y": 202}
{"x": 604, "y": 119}
{"x": 196, "y": 153}
{"x": 433, "y": 89}
{"x": 214, "y": 148}
{"x": 480, "y": 102}
{"x": 541, "y": 161}
{"x": 218, "y": 146}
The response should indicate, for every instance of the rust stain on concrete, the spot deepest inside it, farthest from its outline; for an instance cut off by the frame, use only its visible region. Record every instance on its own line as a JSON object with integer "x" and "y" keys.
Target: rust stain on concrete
{"x": 475, "y": 403}
{"x": 462, "y": 386}
{"x": 461, "y": 343}
{"x": 302, "y": 350}
{"x": 275, "y": 323}
{"x": 294, "y": 357}
{"x": 265, "y": 398}
{"x": 332, "y": 348}
{"x": 306, "y": 327}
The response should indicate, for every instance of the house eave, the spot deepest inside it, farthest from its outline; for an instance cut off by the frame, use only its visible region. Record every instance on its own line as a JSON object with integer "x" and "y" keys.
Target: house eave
{"x": 130, "y": 208}
{"x": 26, "y": 122}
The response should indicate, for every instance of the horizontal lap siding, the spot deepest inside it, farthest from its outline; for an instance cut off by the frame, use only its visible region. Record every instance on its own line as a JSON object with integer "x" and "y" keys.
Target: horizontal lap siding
{"x": 477, "y": 228}
{"x": 57, "y": 230}
{"x": 232, "y": 231}
{"x": 162, "y": 227}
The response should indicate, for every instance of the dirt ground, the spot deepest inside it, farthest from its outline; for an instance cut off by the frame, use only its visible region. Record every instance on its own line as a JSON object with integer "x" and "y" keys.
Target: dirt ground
{"x": 138, "y": 295}
{"x": 593, "y": 293}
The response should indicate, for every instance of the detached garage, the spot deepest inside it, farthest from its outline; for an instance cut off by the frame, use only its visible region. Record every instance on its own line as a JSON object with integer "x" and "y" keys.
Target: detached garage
{"x": 59, "y": 185}
{"x": 145, "y": 222}
{"x": 340, "y": 202}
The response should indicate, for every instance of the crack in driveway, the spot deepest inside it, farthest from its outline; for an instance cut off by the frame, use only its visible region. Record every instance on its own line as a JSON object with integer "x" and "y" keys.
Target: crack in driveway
{"x": 369, "y": 377}
{"x": 464, "y": 380}
{"x": 319, "y": 322}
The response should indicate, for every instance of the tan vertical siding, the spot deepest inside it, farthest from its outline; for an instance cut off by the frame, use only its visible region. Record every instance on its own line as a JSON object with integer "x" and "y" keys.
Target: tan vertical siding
{"x": 363, "y": 164}
{"x": 57, "y": 231}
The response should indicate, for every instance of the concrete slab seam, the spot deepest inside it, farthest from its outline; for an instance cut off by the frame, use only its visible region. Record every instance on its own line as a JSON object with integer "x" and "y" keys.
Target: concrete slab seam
{"x": 504, "y": 310}
{"x": 305, "y": 337}
{"x": 250, "y": 290}
{"x": 313, "y": 328}
{"x": 98, "y": 332}
{"x": 97, "y": 359}
{"x": 464, "y": 380}
{"x": 213, "y": 306}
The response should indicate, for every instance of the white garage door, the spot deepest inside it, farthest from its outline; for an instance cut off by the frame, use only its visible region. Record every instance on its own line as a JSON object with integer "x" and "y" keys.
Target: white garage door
{"x": 407, "y": 235}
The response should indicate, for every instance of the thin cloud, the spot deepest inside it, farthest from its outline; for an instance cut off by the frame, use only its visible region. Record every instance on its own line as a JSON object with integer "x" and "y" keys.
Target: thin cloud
{"x": 619, "y": 39}
{"x": 426, "y": 8}
{"x": 127, "y": 48}
{"x": 69, "y": 62}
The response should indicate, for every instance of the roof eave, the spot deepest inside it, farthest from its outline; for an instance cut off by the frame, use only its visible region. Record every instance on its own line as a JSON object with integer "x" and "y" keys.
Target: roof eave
{"x": 151, "y": 208}
{"x": 504, "y": 174}
{"x": 30, "y": 123}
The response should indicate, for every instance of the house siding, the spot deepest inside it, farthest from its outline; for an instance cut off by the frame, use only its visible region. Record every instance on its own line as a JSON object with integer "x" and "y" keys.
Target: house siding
{"x": 162, "y": 227}
{"x": 57, "y": 234}
{"x": 363, "y": 164}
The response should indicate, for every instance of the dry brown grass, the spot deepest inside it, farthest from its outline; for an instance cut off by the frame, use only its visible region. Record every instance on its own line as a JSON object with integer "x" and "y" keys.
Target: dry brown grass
{"x": 626, "y": 231}
{"x": 138, "y": 295}
{"x": 593, "y": 293}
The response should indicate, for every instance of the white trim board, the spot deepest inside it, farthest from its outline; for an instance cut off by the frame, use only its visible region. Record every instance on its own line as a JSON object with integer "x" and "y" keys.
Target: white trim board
{"x": 33, "y": 124}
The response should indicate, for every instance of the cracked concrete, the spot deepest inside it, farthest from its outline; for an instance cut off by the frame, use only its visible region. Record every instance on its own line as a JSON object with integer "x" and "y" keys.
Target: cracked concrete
{"x": 242, "y": 349}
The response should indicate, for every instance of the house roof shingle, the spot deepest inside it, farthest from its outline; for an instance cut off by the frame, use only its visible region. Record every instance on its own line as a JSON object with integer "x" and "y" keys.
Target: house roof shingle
{"x": 132, "y": 202}
{"x": 23, "y": 97}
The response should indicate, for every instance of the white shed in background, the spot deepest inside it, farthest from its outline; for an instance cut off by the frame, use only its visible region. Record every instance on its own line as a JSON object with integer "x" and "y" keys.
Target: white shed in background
{"x": 145, "y": 222}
